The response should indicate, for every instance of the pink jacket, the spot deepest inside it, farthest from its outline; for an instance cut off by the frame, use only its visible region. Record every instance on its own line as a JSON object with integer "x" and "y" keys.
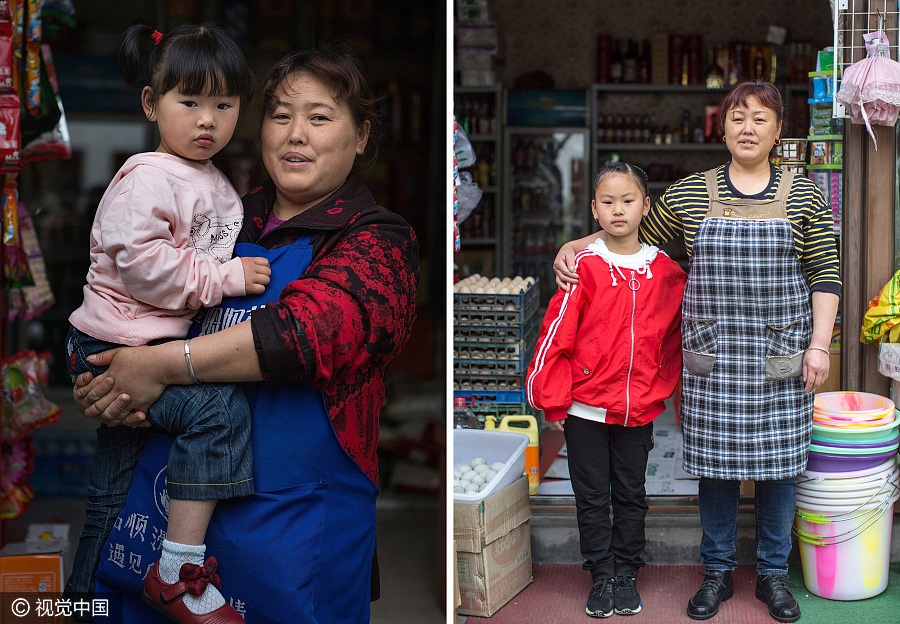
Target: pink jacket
{"x": 610, "y": 348}
{"x": 161, "y": 247}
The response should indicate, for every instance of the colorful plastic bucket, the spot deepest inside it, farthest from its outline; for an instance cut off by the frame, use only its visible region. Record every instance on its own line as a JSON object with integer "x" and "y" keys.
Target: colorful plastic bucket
{"x": 826, "y": 462}
{"x": 885, "y": 435}
{"x": 857, "y": 451}
{"x": 850, "y": 559}
{"x": 862, "y": 474}
{"x": 858, "y": 404}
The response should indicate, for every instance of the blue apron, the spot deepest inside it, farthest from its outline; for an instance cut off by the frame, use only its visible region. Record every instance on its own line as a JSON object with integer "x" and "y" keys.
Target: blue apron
{"x": 299, "y": 549}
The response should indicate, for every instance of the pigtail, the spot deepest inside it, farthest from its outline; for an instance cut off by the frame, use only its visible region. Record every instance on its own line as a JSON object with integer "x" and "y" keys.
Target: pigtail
{"x": 133, "y": 62}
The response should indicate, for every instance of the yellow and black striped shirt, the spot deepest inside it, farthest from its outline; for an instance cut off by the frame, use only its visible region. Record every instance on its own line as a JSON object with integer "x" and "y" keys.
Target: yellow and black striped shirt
{"x": 683, "y": 206}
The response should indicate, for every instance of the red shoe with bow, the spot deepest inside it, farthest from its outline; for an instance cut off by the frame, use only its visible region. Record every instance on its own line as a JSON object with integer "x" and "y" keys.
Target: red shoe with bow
{"x": 193, "y": 579}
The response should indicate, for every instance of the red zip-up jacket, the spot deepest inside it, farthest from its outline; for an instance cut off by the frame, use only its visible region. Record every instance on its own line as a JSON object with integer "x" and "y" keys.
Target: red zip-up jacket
{"x": 612, "y": 343}
{"x": 340, "y": 323}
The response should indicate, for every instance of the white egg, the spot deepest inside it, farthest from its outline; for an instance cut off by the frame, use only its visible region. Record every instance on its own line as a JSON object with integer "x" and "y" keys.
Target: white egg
{"x": 488, "y": 475}
{"x": 464, "y": 482}
{"x": 478, "y": 480}
{"x": 510, "y": 307}
{"x": 503, "y": 290}
{"x": 471, "y": 488}
{"x": 458, "y": 490}
{"x": 462, "y": 468}
{"x": 483, "y": 280}
{"x": 489, "y": 290}
{"x": 518, "y": 290}
{"x": 475, "y": 276}
{"x": 476, "y": 461}
{"x": 530, "y": 280}
{"x": 465, "y": 289}
{"x": 497, "y": 466}
{"x": 480, "y": 468}
{"x": 495, "y": 281}
{"x": 469, "y": 475}
{"x": 481, "y": 487}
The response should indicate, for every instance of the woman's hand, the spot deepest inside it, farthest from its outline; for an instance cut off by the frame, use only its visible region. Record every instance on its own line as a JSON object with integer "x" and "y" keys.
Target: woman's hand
{"x": 564, "y": 267}
{"x": 558, "y": 424}
{"x": 96, "y": 400}
{"x": 815, "y": 368}
{"x": 136, "y": 378}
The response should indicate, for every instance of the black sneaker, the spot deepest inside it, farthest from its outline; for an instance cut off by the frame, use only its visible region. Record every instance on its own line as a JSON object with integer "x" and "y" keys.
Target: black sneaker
{"x": 772, "y": 589}
{"x": 628, "y": 600}
{"x": 601, "y": 600}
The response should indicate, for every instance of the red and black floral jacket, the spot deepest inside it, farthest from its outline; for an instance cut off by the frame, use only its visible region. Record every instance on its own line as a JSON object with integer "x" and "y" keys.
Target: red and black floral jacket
{"x": 339, "y": 324}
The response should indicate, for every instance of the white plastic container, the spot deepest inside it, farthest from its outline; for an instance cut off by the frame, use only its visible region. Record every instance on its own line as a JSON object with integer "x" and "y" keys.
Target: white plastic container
{"x": 493, "y": 446}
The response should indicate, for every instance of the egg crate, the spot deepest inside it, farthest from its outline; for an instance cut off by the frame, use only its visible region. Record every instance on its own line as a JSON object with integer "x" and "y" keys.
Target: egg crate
{"x": 488, "y": 381}
{"x": 522, "y": 301}
{"x": 485, "y": 411}
{"x": 491, "y": 331}
{"x": 514, "y": 357}
{"x": 491, "y": 315}
{"x": 514, "y": 395}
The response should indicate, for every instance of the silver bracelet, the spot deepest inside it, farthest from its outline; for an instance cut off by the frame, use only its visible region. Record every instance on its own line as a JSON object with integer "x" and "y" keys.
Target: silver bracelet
{"x": 187, "y": 357}
{"x": 818, "y": 349}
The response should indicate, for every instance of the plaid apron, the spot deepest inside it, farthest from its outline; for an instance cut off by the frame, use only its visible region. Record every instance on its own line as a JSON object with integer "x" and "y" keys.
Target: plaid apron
{"x": 746, "y": 323}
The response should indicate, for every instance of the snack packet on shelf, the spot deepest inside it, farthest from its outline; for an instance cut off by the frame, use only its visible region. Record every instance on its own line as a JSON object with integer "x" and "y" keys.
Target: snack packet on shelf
{"x": 24, "y": 405}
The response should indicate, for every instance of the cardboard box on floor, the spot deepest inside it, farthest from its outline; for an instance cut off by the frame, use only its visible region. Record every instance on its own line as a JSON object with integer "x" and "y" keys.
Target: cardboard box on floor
{"x": 493, "y": 543}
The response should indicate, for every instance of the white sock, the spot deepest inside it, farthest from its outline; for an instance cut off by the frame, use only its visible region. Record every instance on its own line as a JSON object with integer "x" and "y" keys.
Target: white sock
{"x": 175, "y": 555}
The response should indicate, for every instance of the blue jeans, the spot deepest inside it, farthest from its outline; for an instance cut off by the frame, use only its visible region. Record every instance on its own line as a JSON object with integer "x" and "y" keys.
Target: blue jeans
{"x": 211, "y": 456}
{"x": 775, "y": 501}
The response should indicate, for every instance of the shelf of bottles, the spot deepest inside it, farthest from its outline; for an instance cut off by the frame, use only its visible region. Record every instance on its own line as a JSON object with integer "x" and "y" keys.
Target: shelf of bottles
{"x": 479, "y": 112}
{"x": 545, "y": 198}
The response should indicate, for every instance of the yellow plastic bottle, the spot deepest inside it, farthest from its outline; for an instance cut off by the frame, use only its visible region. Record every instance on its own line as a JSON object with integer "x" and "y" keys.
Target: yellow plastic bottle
{"x": 527, "y": 424}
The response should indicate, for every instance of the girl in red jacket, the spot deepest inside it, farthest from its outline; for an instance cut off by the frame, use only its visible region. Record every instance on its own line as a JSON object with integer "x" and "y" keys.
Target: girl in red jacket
{"x": 608, "y": 355}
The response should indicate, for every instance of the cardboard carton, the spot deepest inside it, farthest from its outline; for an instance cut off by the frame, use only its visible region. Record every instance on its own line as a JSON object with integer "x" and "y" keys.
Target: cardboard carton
{"x": 493, "y": 543}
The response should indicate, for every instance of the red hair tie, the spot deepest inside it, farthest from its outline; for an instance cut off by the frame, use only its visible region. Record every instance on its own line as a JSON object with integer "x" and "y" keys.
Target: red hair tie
{"x": 157, "y": 37}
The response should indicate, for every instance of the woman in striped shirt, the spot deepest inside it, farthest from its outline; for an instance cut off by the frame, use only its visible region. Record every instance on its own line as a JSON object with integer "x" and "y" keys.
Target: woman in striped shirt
{"x": 759, "y": 309}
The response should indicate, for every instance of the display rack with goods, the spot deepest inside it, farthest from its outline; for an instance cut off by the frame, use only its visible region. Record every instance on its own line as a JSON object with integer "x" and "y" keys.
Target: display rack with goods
{"x": 545, "y": 198}
{"x": 478, "y": 112}
{"x": 495, "y": 327}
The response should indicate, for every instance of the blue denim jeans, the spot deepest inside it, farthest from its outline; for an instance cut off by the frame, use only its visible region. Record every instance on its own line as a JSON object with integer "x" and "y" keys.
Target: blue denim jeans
{"x": 210, "y": 458}
{"x": 775, "y": 502}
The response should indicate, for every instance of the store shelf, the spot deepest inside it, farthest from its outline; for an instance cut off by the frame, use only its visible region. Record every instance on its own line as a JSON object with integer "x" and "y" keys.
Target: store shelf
{"x": 473, "y": 242}
{"x": 664, "y": 147}
{"x": 483, "y": 137}
{"x": 833, "y": 167}
{"x": 625, "y": 87}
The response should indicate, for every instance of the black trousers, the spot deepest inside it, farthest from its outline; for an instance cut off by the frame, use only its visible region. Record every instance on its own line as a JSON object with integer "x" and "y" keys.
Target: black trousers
{"x": 606, "y": 457}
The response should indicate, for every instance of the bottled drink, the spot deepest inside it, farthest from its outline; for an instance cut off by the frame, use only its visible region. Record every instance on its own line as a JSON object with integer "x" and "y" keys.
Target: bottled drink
{"x": 629, "y": 128}
{"x": 604, "y": 60}
{"x": 619, "y": 129}
{"x": 463, "y": 417}
{"x": 645, "y": 128}
{"x": 715, "y": 75}
{"x": 644, "y": 63}
{"x": 629, "y": 63}
{"x": 615, "y": 67}
{"x": 686, "y": 126}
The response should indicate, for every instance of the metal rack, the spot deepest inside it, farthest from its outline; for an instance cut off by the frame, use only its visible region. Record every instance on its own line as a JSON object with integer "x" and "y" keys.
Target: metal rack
{"x": 853, "y": 19}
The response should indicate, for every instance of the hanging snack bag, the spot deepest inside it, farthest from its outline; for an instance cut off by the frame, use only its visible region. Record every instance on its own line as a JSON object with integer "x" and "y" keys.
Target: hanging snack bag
{"x": 33, "y": 38}
{"x": 10, "y": 134}
{"x": 24, "y": 405}
{"x": 39, "y": 297}
{"x": 7, "y": 49}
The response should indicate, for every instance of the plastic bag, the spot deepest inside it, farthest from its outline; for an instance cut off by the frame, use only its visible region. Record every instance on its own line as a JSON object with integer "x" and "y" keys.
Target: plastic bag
{"x": 24, "y": 405}
{"x": 881, "y": 322}
{"x": 889, "y": 359}
{"x": 465, "y": 154}
{"x": 469, "y": 195}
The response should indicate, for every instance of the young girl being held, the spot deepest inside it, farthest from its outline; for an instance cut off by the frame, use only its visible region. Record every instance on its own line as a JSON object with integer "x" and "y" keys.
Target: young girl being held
{"x": 161, "y": 247}
{"x": 608, "y": 355}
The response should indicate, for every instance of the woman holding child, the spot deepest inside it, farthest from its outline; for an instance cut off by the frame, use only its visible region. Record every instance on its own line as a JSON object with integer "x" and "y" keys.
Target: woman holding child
{"x": 759, "y": 308}
{"x": 338, "y": 310}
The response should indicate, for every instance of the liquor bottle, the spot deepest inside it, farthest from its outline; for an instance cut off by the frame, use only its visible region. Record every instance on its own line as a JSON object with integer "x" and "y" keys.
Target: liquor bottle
{"x": 715, "y": 75}
{"x": 619, "y": 129}
{"x": 615, "y": 67}
{"x": 629, "y": 128}
{"x": 686, "y": 126}
{"x": 759, "y": 64}
{"x": 699, "y": 131}
{"x": 604, "y": 60}
{"x": 645, "y": 128}
{"x": 644, "y": 63}
{"x": 629, "y": 64}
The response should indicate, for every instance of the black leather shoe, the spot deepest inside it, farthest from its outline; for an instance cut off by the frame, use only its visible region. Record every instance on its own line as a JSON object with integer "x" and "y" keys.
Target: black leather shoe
{"x": 715, "y": 589}
{"x": 772, "y": 590}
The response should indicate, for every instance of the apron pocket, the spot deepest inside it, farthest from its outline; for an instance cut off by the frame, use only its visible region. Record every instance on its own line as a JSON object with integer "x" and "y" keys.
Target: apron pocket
{"x": 785, "y": 348}
{"x": 699, "y": 345}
